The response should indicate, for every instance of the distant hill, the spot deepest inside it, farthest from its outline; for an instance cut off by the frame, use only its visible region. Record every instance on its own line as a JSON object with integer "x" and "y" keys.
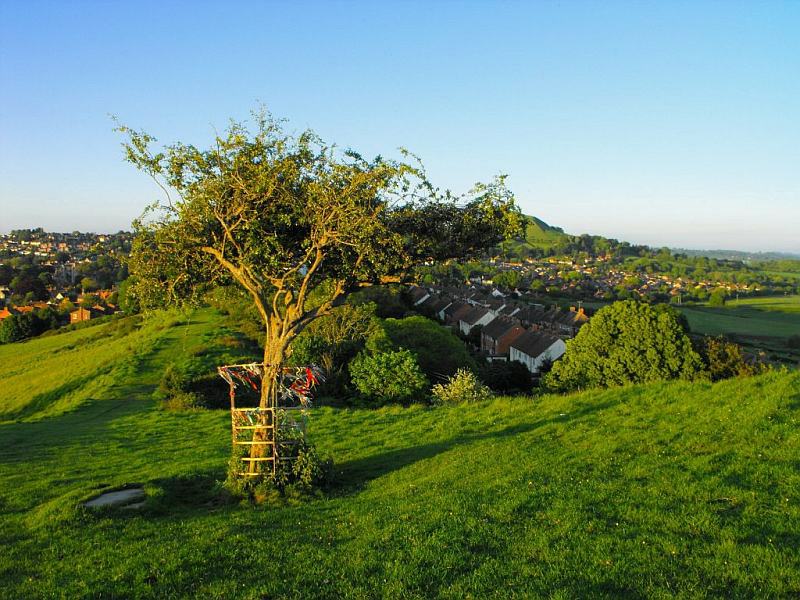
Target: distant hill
{"x": 538, "y": 236}
{"x": 737, "y": 254}
{"x": 541, "y": 238}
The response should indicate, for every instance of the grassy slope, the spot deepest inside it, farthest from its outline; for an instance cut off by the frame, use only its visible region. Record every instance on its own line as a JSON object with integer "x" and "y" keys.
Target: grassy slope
{"x": 648, "y": 491}
{"x": 538, "y": 234}
{"x": 49, "y": 375}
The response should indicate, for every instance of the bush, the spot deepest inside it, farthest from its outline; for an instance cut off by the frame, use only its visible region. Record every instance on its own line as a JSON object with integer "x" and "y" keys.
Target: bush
{"x": 724, "y": 359}
{"x": 306, "y": 473}
{"x": 717, "y": 298}
{"x": 332, "y": 342}
{"x": 439, "y": 352}
{"x": 626, "y": 342}
{"x": 388, "y": 377}
{"x": 26, "y": 325}
{"x": 462, "y": 387}
{"x": 181, "y": 401}
{"x": 507, "y": 377}
{"x": 182, "y": 388}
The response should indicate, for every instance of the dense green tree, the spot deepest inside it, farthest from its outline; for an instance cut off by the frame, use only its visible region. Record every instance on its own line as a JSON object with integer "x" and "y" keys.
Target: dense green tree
{"x": 717, "y": 298}
{"x": 297, "y": 224}
{"x": 438, "y": 351}
{"x": 90, "y": 300}
{"x": 7, "y": 273}
{"x": 507, "y": 377}
{"x": 724, "y": 359}
{"x": 28, "y": 282}
{"x": 127, "y": 302}
{"x": 14, "y": 328}
{"x": 507, "y": 279}
{"x": 626, "y": 342}
{"x": 389, "y": 300}
{"x": 392, "y": 376}
{"x": 89, "y": 285}
{"x": 22, "y": 326}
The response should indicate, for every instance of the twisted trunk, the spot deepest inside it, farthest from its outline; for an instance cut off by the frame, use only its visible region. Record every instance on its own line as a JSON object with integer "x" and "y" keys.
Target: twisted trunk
{"x": 274, "y": 357}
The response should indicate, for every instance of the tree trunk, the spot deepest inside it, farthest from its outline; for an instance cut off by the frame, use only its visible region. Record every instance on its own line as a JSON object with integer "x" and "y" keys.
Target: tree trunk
{"x": 273, "y": 362}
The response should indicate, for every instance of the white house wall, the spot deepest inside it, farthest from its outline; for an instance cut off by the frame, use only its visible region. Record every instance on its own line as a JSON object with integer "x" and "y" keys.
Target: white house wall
{"x": 553, "y": 352}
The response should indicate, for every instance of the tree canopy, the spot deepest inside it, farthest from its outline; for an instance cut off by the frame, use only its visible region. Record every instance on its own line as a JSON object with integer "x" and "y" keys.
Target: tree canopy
{"x": 296, "y": 222}
{"x": 438, "y": 350}
{"x": 626, "y": 342}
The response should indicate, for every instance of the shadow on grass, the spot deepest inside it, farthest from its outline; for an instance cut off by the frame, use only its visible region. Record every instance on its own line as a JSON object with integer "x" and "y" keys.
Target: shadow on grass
{"x": 199, "y": 491}
{"x": 202, "y": 492}
{"x": 352, "y": 476}
{"x": 85, "y": 422}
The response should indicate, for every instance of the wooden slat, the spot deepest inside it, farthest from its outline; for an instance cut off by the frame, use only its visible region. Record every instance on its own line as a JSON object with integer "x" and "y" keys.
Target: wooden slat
{"x": 254, "y": 427}
{"x": 253, "y": 443}
{"x": 256, "y": 459}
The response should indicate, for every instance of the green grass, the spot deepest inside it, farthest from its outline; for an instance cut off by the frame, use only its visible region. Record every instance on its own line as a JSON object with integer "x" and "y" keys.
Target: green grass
{"x": 773, "y": 316}
{"x": 759, "y": 324}
{"x": 785, "y": 304}
{"x": 538, "y": 234}
{"x": 665, "y": 490}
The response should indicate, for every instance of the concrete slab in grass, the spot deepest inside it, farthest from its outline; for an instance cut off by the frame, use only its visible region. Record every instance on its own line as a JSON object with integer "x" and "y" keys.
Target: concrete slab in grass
{"x": 117, "y": 498}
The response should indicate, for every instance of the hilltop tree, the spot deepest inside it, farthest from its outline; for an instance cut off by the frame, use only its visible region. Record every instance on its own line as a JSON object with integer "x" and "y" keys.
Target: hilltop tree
{"x": 717, "y": 298}
{"x": 627, "y": 342}
{"x": 296, "y": 223}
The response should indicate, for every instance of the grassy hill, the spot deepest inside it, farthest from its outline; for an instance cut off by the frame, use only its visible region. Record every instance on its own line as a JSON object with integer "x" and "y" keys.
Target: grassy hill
{"x": 538, "y": 235}
{"x": 663, "y": 490}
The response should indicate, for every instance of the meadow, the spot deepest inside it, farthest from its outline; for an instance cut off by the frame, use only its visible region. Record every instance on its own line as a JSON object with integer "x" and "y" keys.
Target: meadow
{"x": 784, "y": 304}
{"x": 761, "y": 324}
{"x": 665, "y": 490}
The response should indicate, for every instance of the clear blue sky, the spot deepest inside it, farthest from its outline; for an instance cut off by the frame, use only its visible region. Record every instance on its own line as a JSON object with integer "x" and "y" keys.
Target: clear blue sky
{"x": 672, "y": 123}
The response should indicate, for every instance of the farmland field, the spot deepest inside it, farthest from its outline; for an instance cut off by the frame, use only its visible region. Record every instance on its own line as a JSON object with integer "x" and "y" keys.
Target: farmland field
{"x": 744, "y": 320}
{"x": 761, "y": 324}
{"x": 672, "y": 489}
{"x": 787, "y": 304}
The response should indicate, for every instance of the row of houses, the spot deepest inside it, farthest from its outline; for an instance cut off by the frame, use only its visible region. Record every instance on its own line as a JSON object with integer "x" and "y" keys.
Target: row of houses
{"x": 76, "y": 316}
{"x": 509, "y": 330}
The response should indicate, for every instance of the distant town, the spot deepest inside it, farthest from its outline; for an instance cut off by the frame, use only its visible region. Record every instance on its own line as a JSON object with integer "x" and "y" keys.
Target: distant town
{"x": 50, "y": 279}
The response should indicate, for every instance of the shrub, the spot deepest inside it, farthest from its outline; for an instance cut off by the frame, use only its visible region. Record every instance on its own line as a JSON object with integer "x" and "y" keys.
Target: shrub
{"x": 626, "y": 342}
{"x": 303, "y": 475}
{"x": 388, "y": 377}
{"x": 333, "y": 341}
{"x": 181, "y": 401}
{"x": 508, "y": 377}
{"x": 724, "y": 359}
{"x": 190, "y": 385}
{"x": 23, "y": 326}
{"x": 439, "y": 352}
{"x": 462, "y": 387}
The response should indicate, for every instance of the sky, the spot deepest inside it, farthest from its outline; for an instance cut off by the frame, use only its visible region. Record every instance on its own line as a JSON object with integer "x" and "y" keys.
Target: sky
{"x": 665, "y": 123}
